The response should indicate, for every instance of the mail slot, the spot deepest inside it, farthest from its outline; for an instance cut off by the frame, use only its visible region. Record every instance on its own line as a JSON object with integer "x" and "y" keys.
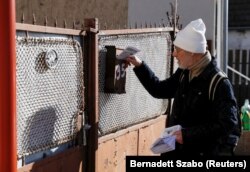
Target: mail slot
{"x": 115, "y": 72}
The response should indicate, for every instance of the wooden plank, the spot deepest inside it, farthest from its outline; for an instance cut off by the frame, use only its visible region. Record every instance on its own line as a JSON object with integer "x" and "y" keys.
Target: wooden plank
{"x": 132, "y": 128}
{"x": 135, "y": 140}
{"x": 112, "y": 153}
{"x": 147, "y": 135}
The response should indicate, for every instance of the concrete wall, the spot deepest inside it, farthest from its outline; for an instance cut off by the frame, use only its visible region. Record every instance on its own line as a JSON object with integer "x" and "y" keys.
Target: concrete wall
{"x": 146, "y": 11}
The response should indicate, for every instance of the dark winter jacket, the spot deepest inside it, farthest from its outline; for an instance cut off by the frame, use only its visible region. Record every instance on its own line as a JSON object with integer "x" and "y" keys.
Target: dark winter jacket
{"x": 207, "y": 126}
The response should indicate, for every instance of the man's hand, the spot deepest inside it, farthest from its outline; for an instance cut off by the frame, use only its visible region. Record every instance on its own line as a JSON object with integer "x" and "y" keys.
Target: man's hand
{"x": 134, "y": 60}
{"x": 178, "y": 135}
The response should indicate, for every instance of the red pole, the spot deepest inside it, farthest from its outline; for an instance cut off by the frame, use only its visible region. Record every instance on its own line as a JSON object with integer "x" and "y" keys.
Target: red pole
{"x": 8, "y": 153}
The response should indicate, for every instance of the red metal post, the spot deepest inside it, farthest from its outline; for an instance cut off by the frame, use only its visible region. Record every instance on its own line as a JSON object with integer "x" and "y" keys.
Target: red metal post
{"x": 8, "y": 153}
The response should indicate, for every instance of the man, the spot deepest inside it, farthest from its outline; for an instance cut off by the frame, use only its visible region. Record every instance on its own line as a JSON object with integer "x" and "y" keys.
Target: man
{"x": 209, "y": 127}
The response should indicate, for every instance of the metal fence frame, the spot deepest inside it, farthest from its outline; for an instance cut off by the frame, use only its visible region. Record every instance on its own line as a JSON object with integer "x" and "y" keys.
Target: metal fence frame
{"x": 89, "y": 135}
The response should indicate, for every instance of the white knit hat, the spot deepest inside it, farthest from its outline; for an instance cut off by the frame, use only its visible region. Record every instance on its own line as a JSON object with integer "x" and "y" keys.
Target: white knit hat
{"x": 192, "y": 37}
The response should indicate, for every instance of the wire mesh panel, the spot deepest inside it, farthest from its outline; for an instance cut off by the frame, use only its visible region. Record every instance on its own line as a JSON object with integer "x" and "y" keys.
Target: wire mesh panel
{"x": 118, "y": 111}
{"x": 49, "y": 74}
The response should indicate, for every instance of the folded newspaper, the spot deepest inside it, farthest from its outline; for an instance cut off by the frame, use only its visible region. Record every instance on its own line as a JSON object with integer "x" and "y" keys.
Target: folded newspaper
{"x": 166, "y": 142}
{"x": 128, "y": 51}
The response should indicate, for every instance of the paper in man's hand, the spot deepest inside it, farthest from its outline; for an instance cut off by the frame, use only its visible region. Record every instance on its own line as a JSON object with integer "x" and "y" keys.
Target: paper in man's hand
{"x": 128, "y": 51}
{"x": 166, "y": 142}
{"x": 170, "y": 130}
{"x": 162, "y": 145}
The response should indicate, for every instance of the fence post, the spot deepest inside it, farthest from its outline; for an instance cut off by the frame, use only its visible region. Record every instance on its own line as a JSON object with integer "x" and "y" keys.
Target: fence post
{"x": 8, "y": 158}
{"x": 173, "y": 20}
{"x": 91, "y": 44}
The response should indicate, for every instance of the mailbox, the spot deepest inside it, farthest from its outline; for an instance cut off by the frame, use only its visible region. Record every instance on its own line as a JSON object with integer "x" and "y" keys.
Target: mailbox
{"x": 115, "y": 72}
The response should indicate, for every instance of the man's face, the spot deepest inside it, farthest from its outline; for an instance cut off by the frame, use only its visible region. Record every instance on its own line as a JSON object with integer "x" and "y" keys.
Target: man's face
{"x": 184, "y": 58}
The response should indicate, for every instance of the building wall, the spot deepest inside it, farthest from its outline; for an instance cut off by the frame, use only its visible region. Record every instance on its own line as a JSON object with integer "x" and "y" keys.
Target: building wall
{"x": 239, "y": 39}
{"x": 111, "y": 13}
{"x": 148, "y": 11}
{"x": 114, "y": 14}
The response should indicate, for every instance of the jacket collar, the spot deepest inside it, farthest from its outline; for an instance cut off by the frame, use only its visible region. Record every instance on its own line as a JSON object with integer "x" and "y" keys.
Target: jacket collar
{"x": 210, "y": 69}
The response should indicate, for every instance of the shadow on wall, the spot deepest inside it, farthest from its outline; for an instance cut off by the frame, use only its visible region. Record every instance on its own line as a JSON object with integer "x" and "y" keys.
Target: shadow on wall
{"x": 39, "y": 131}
